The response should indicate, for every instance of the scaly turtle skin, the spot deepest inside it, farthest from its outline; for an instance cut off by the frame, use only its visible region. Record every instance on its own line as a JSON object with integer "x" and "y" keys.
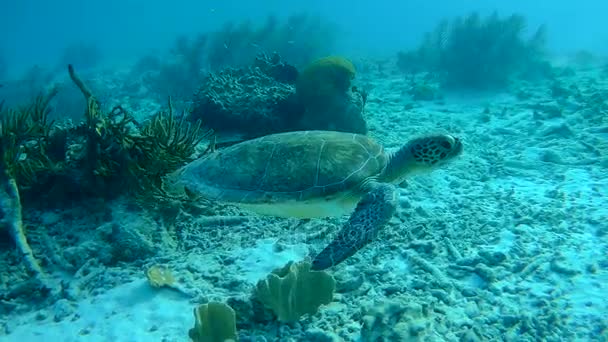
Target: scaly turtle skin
{"x": 317, "y": 174}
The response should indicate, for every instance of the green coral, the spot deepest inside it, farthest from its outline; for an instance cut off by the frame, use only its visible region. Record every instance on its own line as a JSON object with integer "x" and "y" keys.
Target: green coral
{"x": 324, "y": 78}
{"x": 167, "y": 143}
{"x": 295, "y": 290}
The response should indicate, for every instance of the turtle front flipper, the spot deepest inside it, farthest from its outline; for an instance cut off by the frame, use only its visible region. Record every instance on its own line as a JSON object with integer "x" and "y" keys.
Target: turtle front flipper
{"x": 372, "y": 213}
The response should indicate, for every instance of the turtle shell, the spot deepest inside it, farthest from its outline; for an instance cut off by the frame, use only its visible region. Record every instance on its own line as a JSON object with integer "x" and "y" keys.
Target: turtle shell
{"x": 293, "y": 166}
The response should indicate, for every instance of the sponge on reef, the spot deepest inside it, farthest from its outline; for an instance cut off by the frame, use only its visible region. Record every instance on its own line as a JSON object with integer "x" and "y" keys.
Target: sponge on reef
{"x": 324, "y": 78}
{"x": 214, "y": 322}
{"x": 295, "y": 290}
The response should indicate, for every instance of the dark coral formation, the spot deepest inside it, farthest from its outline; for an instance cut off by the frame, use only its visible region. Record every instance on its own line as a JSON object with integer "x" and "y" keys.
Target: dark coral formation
{"x": 262, "y": 99}
{"x": 252, "y": 101}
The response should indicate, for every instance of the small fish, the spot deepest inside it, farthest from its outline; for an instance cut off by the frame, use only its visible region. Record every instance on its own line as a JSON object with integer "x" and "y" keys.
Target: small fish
{"x": 291, "y": 42}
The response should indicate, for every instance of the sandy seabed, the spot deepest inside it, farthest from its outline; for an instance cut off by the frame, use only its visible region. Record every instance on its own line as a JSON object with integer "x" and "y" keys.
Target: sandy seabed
{"x": 509, "y": 242}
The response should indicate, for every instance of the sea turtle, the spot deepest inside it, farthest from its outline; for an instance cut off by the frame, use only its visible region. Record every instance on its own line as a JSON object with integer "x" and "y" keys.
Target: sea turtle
{"x": 308, "y": 174}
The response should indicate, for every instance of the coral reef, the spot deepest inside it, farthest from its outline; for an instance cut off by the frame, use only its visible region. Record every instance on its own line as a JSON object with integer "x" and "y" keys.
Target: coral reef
{"x": 480, "y": 53}
{"x": 253, "y": 101}
{"x": 109, "y": 154}
{"x": 507, "y": 246}
{"x": 271, "y": 96}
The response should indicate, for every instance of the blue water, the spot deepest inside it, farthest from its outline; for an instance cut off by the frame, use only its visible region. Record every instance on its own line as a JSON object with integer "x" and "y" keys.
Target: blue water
{"x": 492, "y": 227}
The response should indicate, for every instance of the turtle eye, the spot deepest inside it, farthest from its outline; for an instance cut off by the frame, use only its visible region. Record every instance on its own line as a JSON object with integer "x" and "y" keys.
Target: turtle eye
{"x": 446, "y": 145}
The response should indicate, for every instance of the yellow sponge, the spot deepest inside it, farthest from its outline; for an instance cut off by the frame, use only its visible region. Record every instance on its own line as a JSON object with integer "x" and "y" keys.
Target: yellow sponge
{"x": 324, "y": 78}
{"x": 295, "y": 290}
{"x": 214, "y": 322}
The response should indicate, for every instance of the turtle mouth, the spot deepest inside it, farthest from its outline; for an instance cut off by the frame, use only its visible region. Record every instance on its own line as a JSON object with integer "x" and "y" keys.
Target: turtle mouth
{"x": 456, "y": 146}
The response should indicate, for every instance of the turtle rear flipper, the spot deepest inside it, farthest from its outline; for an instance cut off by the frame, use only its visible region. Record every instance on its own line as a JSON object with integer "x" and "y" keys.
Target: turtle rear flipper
{"x": 372, "y": 213}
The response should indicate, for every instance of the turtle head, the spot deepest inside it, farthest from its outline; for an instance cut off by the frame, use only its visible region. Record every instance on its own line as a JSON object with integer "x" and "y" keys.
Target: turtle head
{"x": 420, "y": 155}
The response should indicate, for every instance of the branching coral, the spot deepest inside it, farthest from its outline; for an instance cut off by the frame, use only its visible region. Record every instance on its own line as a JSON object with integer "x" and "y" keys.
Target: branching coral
{"x": 121, "y": 155}
{"x": 23, "y": 140}
{"x": 24, "y": 137}
{"x": 167, "y": 143}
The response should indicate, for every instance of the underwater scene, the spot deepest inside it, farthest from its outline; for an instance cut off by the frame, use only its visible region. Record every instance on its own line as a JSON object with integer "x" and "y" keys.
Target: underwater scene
{"x": 321, "y": 171}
